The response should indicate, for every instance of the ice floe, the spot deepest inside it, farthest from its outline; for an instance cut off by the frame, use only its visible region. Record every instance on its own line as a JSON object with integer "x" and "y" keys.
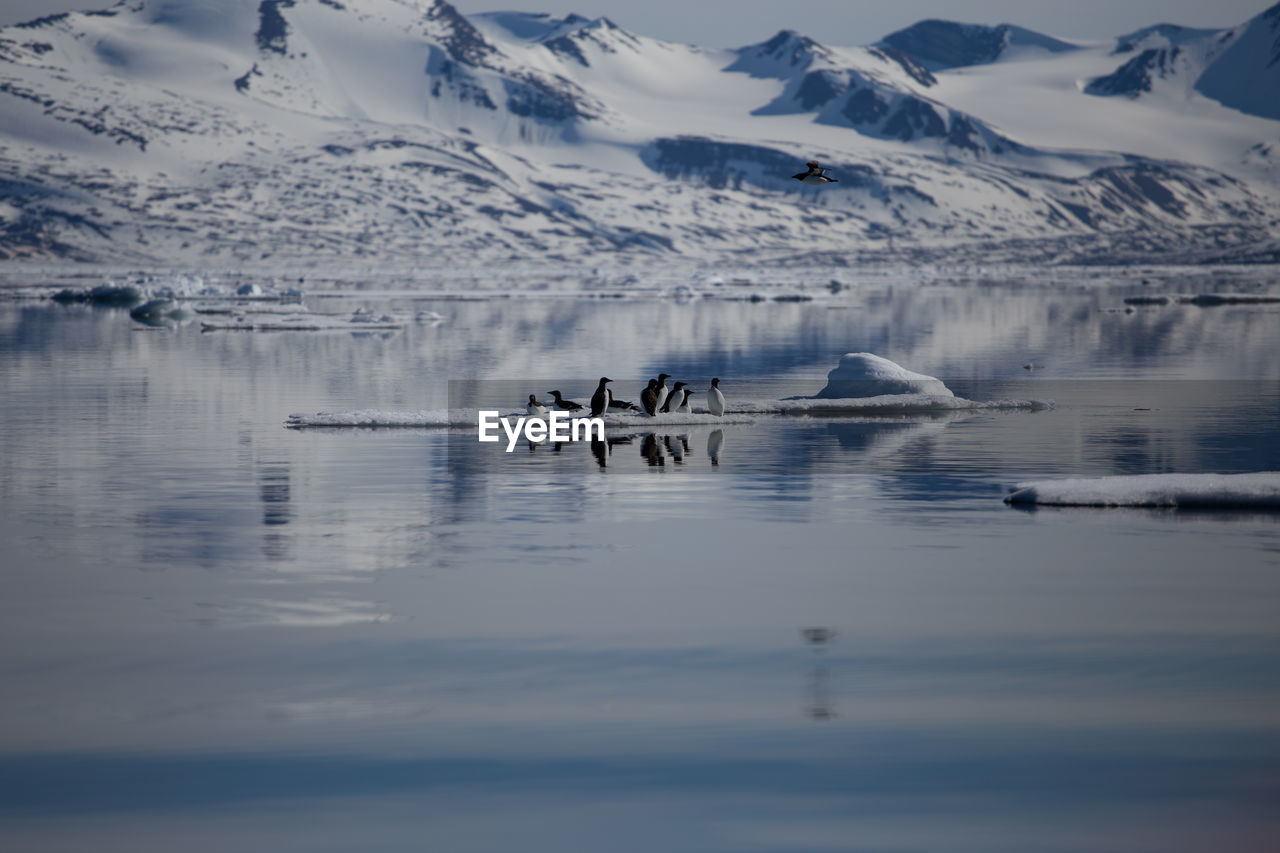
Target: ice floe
{"x": 861, "y": 384}
{"x": 469, "y": 418}
{"x": 300, "y": 321}
{"x": 1256, "y": 490}
{"x": 885, "y": 404}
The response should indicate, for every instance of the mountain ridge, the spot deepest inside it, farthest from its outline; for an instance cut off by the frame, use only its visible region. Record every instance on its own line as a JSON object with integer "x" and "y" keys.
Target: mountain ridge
{"x": 317, "y": 131}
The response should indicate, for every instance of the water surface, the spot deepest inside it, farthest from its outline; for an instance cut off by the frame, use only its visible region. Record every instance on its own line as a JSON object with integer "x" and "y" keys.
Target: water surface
{"x": 218, "y": 632}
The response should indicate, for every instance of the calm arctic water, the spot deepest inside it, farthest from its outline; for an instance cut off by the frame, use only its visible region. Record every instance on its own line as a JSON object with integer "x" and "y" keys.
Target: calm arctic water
{"x": 220, "y": 634}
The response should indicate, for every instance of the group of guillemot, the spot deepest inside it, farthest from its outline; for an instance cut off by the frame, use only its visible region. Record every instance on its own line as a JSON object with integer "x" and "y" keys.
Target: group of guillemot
{"x": 655, "y": 399}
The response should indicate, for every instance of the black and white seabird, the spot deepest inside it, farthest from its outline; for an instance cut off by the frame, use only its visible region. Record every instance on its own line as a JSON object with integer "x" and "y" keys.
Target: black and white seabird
{"x": 535, "y": 408}
{"x": 600, "y": 399}
{"x": 622, "y": 405}
{"x": 663, "y": 391}
{"x": 649, "y": 398}
{"x": 816, "y": 176}
{"x": 676, "y": 396}
{"x": 715, "y": 400}
{"x": 567, "y": 405}
{"x": 683, "y": 407}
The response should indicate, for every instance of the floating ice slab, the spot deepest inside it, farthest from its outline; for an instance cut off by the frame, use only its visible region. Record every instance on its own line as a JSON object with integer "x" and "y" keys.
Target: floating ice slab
{"x": 469, "y": 418}
{"x": 1155, "y": 490}
{"x": 303, "y": 322}
{"x": 643, "y": 421}
{"x": 885, "y": 404}
{"x": 376, "y": 418}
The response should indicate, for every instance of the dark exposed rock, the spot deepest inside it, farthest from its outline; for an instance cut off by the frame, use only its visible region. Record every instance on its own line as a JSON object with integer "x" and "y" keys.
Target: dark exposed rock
{"x": 272, "y": 31}
{"x": 1136, "y": 75}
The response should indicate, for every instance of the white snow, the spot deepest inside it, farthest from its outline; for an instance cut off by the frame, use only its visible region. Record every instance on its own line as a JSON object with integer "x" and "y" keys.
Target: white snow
{"x": 1256, "y": 490}
{"x": 862, "y": 374}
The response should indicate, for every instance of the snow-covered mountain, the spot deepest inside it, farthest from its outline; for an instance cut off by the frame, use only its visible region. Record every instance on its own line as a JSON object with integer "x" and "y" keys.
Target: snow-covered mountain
{"x": 947, "y": 44}
{"x": 1238, "y": 67}
{"x": 278, "y": 133}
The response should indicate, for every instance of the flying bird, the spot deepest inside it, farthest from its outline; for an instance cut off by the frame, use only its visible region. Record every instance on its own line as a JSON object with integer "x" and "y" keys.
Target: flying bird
{"x": 816, "y": 176}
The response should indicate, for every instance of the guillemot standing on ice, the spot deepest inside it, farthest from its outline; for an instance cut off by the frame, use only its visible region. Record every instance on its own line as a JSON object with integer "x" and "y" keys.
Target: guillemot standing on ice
{"x": 663, "y": 391}
{"x": 600, "y": 399}
{"x": 676, "y": 396}
{"x": 567, "y": 405}
{"x": 649, "y": 398}
{"x": 816, "y": 176}
{"x": 715, "y": 400}
{"x": 535, "y": 408}
{"x": 684, "y": 407}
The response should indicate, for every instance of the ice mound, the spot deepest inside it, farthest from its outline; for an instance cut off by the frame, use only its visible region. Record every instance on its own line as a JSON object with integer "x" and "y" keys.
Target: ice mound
{"x": 866, "y": 384}
{"x": 1257, "y": 490}
{"x": 861, "y": 374}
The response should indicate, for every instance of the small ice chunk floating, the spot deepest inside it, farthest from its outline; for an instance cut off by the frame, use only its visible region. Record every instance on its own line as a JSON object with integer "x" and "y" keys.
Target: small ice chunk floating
{"x": 1259, "y": 490}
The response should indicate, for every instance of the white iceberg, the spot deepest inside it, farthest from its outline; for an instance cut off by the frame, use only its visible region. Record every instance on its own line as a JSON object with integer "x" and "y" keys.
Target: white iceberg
{"x": 867, "y": 384}
{"x": 862, "y": 374}
{"x": 1256, "y": 490}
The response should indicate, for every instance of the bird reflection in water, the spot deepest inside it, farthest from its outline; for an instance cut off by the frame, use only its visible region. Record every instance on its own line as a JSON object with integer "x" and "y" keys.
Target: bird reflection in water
{"x": 602, "y": 450}
{"x": 651, "y": 450}
{"x": 819, "y": 705}
{"x": 715, "y": 443}
{"x": 677, "y": 446}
